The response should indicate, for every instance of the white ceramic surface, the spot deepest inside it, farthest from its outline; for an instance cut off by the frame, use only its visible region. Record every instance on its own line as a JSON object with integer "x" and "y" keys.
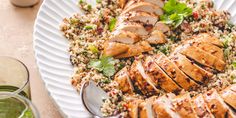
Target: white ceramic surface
{"x": 53, "y": 59}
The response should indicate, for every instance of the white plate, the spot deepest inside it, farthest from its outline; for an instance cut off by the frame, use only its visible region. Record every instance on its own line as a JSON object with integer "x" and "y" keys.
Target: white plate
{"x": 53, "y": 59}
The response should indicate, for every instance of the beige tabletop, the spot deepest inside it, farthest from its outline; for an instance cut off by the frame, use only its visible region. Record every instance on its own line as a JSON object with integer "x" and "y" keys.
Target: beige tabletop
{"x": 16, "y": 27}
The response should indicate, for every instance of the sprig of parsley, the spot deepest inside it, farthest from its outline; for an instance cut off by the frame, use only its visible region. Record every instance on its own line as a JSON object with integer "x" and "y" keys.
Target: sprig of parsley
{"x": 112, "y": 24}
{"x": 104, "y": 65}
{"x": 175, "y": 12}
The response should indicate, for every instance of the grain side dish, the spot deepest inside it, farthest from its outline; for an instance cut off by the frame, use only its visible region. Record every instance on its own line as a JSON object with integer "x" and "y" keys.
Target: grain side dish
{"x": 156, "y": 58}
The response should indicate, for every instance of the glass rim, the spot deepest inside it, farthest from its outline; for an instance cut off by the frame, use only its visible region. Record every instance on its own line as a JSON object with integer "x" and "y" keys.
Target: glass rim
{"x": 23, "y": 99}
{"x": 20, "y": 88}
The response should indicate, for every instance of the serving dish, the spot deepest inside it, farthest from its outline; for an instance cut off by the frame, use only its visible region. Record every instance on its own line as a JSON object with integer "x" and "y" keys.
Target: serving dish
{"x": 52, "y": 56}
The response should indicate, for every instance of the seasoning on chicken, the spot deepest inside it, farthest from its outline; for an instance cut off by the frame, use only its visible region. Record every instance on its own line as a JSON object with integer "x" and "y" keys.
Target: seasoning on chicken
{"x": 174, "y": 72}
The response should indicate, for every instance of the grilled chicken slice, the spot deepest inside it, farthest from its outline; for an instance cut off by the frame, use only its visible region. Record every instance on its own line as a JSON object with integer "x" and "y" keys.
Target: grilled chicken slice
{"x": 174, "y": 72}
{"x": 126, "y": 37}
{"x": 229, "y": 96}
{"x": 122, "y": 78}
{"x": 161, "y": 27}
{"x": 144, "y": 6}
{"x": 159, "y": 76}
{"x": 133, "y": 108}
{"x": 136, "y": 49}
{"x": 195, "y": 72}
{"x": 207, "y": 38}
{"x": 217, "y": 106}
{"x": 163, "y": 108}
{"x": 122, "y": 3}
{"x": 145, "y": 108}
{"x": 139, "y": 16}
{"x": 183, "y": 106}
{"x": 133, "y": 27}
{"x": 157, "y": 37}
{"x": 202, "y": 57}
{"x": 159, "y": 3}
{"x": 141, "y": 79}
{"x": 212, "y": 49}
{"x": 201, "y": 108}
{"x": 114, "y": 48}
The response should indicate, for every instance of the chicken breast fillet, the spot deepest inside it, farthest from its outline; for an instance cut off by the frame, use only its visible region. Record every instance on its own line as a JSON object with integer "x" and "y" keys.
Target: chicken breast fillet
{"x": 123, "y": 79}
{"x": 217, "y": 106}
{"x": 201, "y": 108}
{"x": 174, "y": 72}
{"x": 144, "y": 6}
{"x": 183, "y": 106}
{"x": 189, "y": 68}
{"x": 159, "y": 76}
{"x": 202, "y": 57}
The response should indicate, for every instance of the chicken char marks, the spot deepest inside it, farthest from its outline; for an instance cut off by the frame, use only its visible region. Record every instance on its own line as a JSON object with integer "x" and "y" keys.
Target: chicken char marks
{"x": 206, "y": 105}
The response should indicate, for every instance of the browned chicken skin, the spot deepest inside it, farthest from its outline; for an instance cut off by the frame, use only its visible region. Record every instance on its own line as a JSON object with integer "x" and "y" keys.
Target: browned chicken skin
{"x": 217, "y": 106}
{"x": 174, "y": 72}
{"x": 201, "y": 56}
{"x": 201, "y": 108}
{"x": 142, "y": 80}
{"x": 159, "y": 76}
{"x": 206, "y": 105}
{"x": 195, "y": 72}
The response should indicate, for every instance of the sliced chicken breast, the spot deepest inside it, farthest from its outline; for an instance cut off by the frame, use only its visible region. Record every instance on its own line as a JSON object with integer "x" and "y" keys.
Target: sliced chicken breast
{"x": 161, "y": 27}
{"x": 217, "y": 106}
{"x": 114, "y": 48}
{"x": 212, "y": 49}
{"x": 145, "y": 108}
{"x": 163, "y": 108}
{"x": 133, "y": 108}
{"x": 159, "y": 76}
{"x": 139, "y": 16}
{"x": 144, "y": 6}
{"x": 157, "y": 37}
{"x": 159, "y": 3}
{"x": 183, "y": 106}
{"x": 229, "y": 97}
{"x": 126, "y": 37}
{"x": 202, "y": 57}
{"x": 136, "y": 49}
{"x": 122, "y": 3}
{"x": 201, "y": 108}
{"x": 207, "y": 38}
{"x": 125, "y": 84}
{"x": 189, "y": 68}
{"x": 133, "y": 27}
{"x": 141, "y": 79}
{"x": 174, "y": 72}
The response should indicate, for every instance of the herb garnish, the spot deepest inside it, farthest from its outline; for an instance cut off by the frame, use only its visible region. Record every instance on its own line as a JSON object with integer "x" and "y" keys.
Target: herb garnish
{"x": 112, "y": 23}
{"x": 104, "y": 65}
{"x": 234, "y": 64}
{"x": 175, "y": 12}
{"x": 93, "y": 48}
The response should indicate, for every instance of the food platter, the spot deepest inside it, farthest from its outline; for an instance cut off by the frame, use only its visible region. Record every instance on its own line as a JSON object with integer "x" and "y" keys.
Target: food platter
{"x": 51, "y": 51}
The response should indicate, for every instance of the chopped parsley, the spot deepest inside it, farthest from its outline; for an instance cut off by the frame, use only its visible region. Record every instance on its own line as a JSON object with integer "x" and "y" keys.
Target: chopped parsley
{"x": 234, "y": 64}
{"x": 93, "y": 48}
{"x": 112, "y": 24}
{"x": 98, "y": 1}
{"x": 104, "y": 65}
{"x": 88, "y": 27}
{"x": 175, "y": 12}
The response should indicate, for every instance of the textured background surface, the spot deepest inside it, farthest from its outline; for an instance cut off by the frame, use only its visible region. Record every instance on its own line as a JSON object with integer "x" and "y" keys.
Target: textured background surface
{"x": 16, "y": 27}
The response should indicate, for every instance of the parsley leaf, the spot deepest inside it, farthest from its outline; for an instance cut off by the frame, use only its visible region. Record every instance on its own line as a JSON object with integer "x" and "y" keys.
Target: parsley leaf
{"x": 112, "y": 24}
{"x": 104, "y": 65}
{"x": 234, "y": 64}
{"x": 175, "y": 12}
{"x": 93, "y": 48}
